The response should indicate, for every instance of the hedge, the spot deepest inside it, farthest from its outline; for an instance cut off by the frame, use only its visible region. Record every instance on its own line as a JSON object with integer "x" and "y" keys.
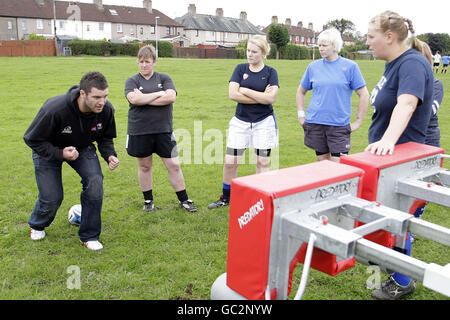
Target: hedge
{"x": 103, "y": 48}
{"x": 293, "y": 52}
{"x": 106, "y": 48}
{"x": 165, "y": 48}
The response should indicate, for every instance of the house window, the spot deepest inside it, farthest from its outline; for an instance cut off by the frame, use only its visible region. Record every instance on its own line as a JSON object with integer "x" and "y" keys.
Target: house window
{"x": 141, "y": 30}
{"x": 113, "y": 12}
{"x": 196, "y": 33}
{"x": 131, "y": 30}
{"x": 39, "y": 24}
{"x": 24, "y": 25}
{"x": 61, "y": 24}
{"x": 167, "y": 30}
{"x": 225, "y": 35}
{"x": 213, "y": 34}
{"x": 88, "y": 28}
{"x": 303, "y": 39}
{"x": 10, "y": 25}
{"x": 152, "y": 29}
{"x": 119, "y": 28}
{"x": 101, "y": 26}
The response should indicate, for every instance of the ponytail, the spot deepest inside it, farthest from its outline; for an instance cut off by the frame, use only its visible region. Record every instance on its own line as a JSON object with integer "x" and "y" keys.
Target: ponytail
{"x": 414, "y": 42}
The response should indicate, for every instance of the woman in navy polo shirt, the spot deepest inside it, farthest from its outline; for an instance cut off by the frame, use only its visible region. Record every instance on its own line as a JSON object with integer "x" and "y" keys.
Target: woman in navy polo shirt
{"x": 402, "y": 102}
{"x": 254, "y": 86}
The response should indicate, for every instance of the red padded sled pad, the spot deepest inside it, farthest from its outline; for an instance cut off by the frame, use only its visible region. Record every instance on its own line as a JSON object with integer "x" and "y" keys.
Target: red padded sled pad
{"x": 251, "y": 217}
{"x": 373, "y": 164}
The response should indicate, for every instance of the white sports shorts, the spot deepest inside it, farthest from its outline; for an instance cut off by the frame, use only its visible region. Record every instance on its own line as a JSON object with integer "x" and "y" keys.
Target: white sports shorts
{"x": 257, "y": 135}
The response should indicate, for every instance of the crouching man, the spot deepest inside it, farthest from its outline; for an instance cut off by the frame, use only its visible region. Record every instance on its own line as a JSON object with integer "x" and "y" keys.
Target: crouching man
{"x": 64, "y": 131}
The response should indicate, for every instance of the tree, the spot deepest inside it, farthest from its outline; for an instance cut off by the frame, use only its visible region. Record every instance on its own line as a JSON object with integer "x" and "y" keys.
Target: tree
{"x": 437, "y": 41}
{"x": 279, "y": 35}
{"x": 344, "y": 26}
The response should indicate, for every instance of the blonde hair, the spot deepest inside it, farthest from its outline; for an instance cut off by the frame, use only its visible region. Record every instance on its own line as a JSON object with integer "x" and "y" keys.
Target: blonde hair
{"x": 333, "y": 37}
{"x": 426, "y": 51}
{"x": 392, "y": 21}
{"x": 147, "y": 52}
{"x": 260, "y": 42}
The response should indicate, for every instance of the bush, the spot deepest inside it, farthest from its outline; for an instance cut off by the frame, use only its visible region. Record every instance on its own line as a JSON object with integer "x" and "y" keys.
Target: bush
{"x": 165, "y": 48}
{"x": 273, "y": 51}
{"x": 103, "y": 48}
{"x": 33, "y": 36}
{"x": 241, "y": 49}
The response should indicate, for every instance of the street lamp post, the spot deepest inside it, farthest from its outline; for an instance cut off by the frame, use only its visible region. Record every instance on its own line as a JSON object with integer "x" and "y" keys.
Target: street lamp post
{"x": 54, "y": 29}
{"x": 156, "y": 32}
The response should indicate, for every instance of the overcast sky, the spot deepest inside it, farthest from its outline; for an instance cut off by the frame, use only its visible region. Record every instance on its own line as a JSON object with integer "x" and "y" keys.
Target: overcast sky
{"x": 426, "y": 16}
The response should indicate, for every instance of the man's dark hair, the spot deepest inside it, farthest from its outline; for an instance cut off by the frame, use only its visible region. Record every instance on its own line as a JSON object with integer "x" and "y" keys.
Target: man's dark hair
{"x": 93, "y": 79}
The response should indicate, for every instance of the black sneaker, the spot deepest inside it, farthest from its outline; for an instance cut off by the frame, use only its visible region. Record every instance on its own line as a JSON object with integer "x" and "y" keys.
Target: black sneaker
{"x": 188, "y": 205}
{"x": 219, "y": 203}
{"x": 149, "y": 206}
{"x": 391, "y": 290}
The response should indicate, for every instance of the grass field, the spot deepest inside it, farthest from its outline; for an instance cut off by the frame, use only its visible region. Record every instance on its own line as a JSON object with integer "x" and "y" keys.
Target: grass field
{"x": 168, "y": 254}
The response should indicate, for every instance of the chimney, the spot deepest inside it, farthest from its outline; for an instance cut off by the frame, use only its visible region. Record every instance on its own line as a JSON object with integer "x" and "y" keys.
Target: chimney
{"x": 288, "y": 22}
{"x": 300, "y": 24}
{"x": 148, "y": 5}
{"x": 310, "y": 26}
{"x": 99, "y": 4}
{"x": 243, "y": 16}
{"x": 219, "y": 12}
{"x": 192, "y": 9}
{"x": 274, "y": 20}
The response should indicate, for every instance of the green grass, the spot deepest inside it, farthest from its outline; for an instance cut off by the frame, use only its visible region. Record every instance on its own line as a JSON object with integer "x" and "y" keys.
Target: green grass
{"x": 168, "y": 254}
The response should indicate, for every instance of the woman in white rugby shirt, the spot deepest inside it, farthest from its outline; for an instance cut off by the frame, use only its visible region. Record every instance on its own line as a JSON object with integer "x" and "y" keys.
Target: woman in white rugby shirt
{"x": 254, "y": 86}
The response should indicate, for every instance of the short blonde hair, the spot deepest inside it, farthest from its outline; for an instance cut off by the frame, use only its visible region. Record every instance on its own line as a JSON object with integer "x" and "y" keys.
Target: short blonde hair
{"x": 260, "y": 42}
{"x": 333, "y": 37}
{"x": 147, "y": 52}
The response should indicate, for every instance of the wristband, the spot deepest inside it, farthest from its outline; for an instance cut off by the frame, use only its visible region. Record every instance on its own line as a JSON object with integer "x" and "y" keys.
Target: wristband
{"x": 301, "y": 113}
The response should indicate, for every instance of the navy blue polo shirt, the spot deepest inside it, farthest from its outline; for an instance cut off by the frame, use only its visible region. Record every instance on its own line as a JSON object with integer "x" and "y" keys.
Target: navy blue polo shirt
{"x": 257, "y": 81}
{"x": 408, "y": 74}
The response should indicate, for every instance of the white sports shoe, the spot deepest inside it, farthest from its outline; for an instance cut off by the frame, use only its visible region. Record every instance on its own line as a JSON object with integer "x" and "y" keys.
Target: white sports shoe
{"x": 93, "y": 245}
{"x": 36, "y": 234}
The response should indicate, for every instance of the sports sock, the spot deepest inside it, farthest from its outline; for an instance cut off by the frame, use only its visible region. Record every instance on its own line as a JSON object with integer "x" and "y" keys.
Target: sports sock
{"x": 419, "y": 212}
{"x": 182, "y": 195}
{"x": 148, "y": 195}
{"x": 401, "y": 279}
{"x": 226, "y": 190}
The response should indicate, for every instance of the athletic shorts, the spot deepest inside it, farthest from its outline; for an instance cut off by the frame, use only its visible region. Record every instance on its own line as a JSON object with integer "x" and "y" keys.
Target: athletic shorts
{"x": 327, "y": 139}
{"x": 143, "y": 146}
{"x": 436, "y": 64}
{"x": 261, "y": 135}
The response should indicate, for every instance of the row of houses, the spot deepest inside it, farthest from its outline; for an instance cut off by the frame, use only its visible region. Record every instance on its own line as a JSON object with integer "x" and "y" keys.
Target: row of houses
{"x": 97, "y": 21}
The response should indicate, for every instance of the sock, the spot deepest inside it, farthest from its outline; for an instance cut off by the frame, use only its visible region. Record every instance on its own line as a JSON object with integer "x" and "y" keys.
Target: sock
{"x": 419, "y": 212}
{"x": 148, "y": 195}
{"x": 226, "y": 190}
{"x": 182, "y": 195}
{"x": 401, "y": 279}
